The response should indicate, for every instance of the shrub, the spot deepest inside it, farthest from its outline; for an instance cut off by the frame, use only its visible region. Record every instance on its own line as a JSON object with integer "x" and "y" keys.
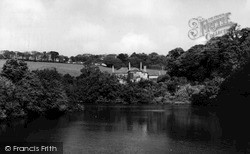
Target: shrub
{"x": 163, "y": 78}
{"x": 93, "y": 85}
{"x": 209, "y": 92}
{"x": 54, "y": 95}
{"x": 14, "y": 70}
{"x": 29, "y": 92}
{"x": 8, "y": 103}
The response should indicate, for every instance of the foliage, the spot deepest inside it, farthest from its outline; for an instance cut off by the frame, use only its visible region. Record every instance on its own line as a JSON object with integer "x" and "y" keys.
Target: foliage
{"x": 29, "y": 93}
{"x": 163, "y": 78}
{"x": 113, "y": 61}
{"x": 133, "y": 93}
{"x": 219, "y": 57}
{"x": 54, "y": 96}
{"x": 33, "y": 92}
{"x": 235, "y": 88}
{"x": 8, "y": 103}
{"x": 209, "y": 92}
{"x": 14, "y": 70}
{"x": 92, "y": 84}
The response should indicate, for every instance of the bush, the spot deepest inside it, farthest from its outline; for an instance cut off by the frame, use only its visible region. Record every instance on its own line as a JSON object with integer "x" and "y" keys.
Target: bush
{"x": 14, "y": 70}
{"x": 29, "y": 92}
{"x": 54, "y": 95}
{"x": 163, "y": 78}
{"x": 133, "y": 94}
{"x": 209, "y": 92}
{"x": 8, "y": 102}
{"x": 93, "y": 85}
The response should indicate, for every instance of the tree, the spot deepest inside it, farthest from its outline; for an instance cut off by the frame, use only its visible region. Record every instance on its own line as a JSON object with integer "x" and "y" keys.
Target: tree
{"x": 21, "y": 54}
{"x": 54, "y": 55}
{"x": 14, "y": 70}
{"x": 27, "y": 55}
{"x": 123, "y": 57}
{"x": 54, "y": 95}
{"x": 7, "y": 97}
{"x": 35, "y": 55}
{"x": 175, "y": 53}
{"x": 29, "y": 93}
{"x": 9, "y": 54}
{"x": 61, "y": 58}
{"x": 112, "y": 61}
{"x": 93, "y": 85}
{"x": 45, "y": 56}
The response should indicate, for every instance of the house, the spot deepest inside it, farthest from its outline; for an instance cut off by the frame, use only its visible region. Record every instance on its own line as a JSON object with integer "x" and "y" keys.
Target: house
{"x": 136, "y": 75}
{"x": 154, "y": 74}
{"x": 122, "y": 74}
{"x": 133, "y": 74}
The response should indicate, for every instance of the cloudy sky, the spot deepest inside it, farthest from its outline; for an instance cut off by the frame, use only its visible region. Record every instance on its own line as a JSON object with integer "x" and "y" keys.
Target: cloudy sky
{"x": 108, "y": 26}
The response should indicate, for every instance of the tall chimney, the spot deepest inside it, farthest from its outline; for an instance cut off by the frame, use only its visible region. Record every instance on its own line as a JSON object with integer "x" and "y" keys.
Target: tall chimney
{"x": 129, "y": 67}
{"x": 113, "y": 69}
{"x": 145, "y": 68}
{"x": 140, "y": 65}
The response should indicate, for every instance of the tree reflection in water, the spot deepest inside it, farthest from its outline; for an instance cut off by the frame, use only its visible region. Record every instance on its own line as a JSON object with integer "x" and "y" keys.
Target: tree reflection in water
{"x": 138, "y": 129}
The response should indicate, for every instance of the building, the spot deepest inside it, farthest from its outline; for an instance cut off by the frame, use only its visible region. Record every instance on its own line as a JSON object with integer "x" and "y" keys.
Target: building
{"x": 154, "y": 74}
{"x": 133, "y": 74}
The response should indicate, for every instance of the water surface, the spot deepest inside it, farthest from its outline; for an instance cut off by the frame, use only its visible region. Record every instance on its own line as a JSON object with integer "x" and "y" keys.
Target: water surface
{"x": 129, "y": 129}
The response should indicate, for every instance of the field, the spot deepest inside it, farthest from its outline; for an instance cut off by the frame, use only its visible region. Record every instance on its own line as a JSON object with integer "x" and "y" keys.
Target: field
{"x": 72, "y": 69}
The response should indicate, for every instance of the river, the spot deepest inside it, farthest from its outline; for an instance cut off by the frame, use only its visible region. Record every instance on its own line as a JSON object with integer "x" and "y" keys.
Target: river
{"x": 129, "y": 129}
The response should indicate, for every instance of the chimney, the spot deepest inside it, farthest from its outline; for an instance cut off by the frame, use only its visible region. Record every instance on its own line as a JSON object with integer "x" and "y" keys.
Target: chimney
{"x": 129, "y": 67}
{"x": 113, "y": 69}
{"x": 145, "y": 68}
{"x": 140, "y": 65}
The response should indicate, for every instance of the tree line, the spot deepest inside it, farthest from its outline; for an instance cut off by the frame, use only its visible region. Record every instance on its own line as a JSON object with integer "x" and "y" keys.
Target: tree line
{"x": 152, "y": 60}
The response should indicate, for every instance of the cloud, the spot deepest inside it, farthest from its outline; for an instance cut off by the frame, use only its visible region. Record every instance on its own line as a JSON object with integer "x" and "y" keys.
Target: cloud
{"x": 22, "y": 12}
{"x": 20, "y": 21}
{"x": 105, "y": 26}
{"x": 84, "y": 36}
{"x": 247, "y": 5}
{"x": 172, "y": 33}
{"x": 135, "y": 42}
{"x": 86, "y": 31}
{"x": 129, "y": 7}
{"x": 144, "y": 8}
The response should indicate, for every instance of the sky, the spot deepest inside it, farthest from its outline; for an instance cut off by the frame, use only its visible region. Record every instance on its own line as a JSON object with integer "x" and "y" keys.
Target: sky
{"x": 74, "y": 27}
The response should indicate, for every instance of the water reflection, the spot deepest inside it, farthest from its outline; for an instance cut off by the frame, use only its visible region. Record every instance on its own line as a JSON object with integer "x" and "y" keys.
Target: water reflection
{"x": 134, "y": 129}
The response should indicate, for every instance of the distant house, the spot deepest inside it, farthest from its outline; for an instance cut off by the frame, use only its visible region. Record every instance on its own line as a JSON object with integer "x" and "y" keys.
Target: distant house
{"x": 122, "y": 71}
{"x": 154, "y": 74}
{"x": 122, "y": 74}
{"x": 136, "y": 75}
{"x": 133, "y": 74}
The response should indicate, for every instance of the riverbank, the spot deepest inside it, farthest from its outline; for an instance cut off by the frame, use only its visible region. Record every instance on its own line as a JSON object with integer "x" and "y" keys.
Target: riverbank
{"x": 49, "y": 113}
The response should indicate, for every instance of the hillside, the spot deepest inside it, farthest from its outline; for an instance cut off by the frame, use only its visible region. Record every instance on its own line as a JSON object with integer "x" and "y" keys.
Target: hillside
{"x": 63, "y": 68}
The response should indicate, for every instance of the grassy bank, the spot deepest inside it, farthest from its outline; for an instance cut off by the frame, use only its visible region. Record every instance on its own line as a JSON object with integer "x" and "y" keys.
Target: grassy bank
{"x": 62, "y": 68}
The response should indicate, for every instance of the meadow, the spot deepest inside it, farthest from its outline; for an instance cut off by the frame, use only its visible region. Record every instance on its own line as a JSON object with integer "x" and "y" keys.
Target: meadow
{"x": 63, "y": 68}
{"x": 72, "y": 69}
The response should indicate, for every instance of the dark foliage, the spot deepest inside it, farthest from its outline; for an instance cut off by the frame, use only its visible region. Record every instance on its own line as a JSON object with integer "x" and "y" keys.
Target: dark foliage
{"x": 218, "y": 58}
{"x": 14, "y": 70}
{"x": 23, "y": 92}
{"x": 93, "y": 85}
